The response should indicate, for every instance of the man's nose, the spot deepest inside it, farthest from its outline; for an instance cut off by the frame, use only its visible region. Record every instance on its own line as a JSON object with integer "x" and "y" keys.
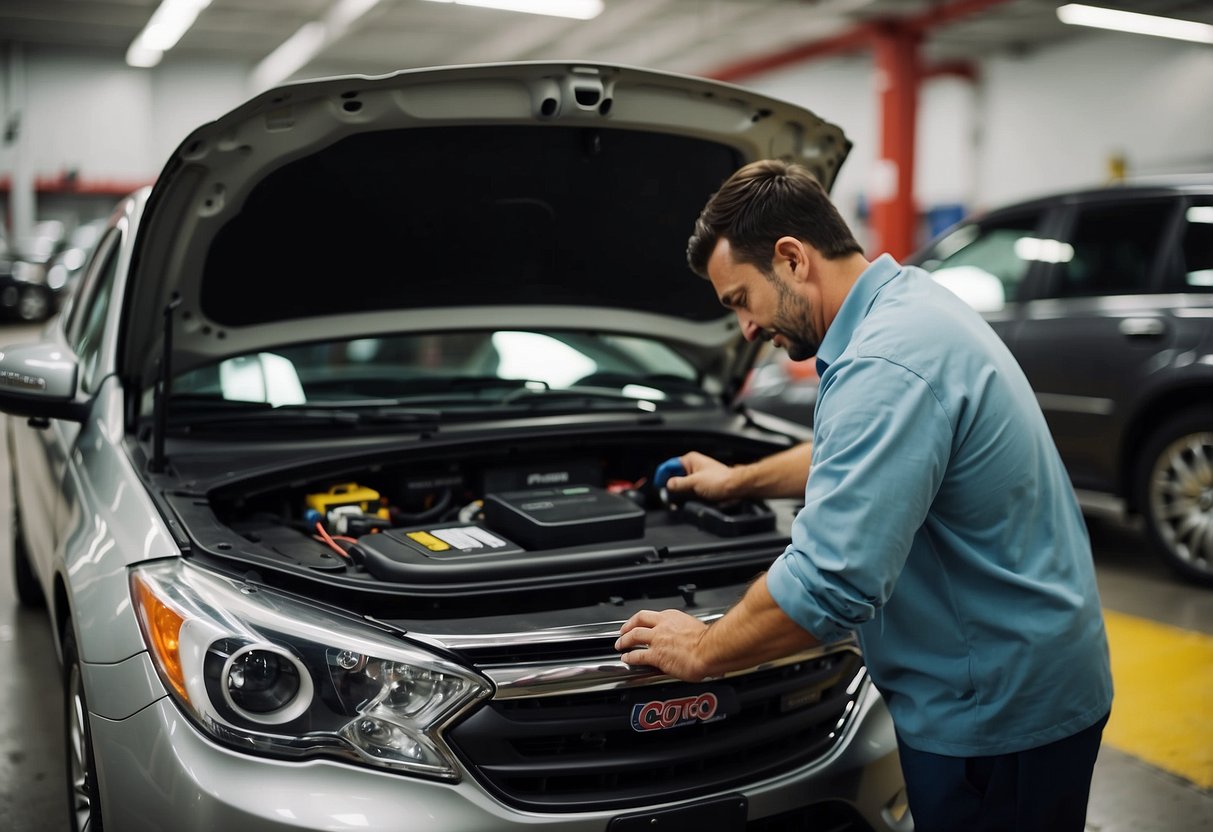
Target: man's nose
{"x": 751, "y": 330}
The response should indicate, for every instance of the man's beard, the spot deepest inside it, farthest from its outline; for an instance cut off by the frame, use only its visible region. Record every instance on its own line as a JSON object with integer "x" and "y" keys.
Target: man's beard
{"x": 792, "y": 322}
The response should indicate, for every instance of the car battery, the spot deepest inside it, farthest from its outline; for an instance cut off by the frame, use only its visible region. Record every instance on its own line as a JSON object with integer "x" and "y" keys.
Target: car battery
{"x": 550, "y": 518}
{"x": 420, "y": 554}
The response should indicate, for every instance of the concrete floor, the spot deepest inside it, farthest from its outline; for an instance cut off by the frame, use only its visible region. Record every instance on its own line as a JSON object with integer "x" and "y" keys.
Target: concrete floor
{"x": 1128, "y": 794}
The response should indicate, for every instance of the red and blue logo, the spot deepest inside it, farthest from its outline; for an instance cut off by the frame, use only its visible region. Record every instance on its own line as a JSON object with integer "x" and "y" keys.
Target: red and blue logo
{"x": 661, "y": 714}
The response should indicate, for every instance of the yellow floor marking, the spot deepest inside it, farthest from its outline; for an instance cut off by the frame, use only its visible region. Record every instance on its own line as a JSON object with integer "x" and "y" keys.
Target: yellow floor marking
{"x": 1163, "y": 710}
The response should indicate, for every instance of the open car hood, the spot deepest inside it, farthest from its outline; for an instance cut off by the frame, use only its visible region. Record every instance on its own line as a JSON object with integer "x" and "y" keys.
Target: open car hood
{"x": 535, "y": 195}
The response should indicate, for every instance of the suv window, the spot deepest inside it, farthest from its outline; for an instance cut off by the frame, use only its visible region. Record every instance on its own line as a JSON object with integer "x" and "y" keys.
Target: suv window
{"x": 985, "y": 263}
{"x": 1111, "y": 249}
{"x": 1197, "y": 247}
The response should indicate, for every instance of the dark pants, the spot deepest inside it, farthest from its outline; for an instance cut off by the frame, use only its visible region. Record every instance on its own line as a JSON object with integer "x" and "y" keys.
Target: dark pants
{"x": 1042, "y": 789}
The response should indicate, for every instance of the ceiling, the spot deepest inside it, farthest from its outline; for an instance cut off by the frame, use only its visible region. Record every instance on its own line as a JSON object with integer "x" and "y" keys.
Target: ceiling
{"x": 689, "y": 36}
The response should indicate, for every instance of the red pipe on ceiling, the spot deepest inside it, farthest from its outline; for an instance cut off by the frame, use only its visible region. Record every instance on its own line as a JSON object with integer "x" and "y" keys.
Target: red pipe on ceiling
{"x": 895, "y": 43}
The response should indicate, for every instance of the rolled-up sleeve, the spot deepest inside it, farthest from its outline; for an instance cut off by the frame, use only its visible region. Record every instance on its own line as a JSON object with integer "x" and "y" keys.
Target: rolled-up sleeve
{"x": 882, "y": 442}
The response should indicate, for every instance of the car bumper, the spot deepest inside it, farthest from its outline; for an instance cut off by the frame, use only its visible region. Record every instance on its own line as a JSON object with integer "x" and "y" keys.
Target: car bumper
{"x": 157, "y": 771}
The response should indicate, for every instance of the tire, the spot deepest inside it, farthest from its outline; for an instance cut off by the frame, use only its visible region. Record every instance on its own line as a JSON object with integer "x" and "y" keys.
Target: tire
{"x": 34, "y": 304}
{"x": 1174, "y": 485}
{"x": 29, "y": 592}
{"x": 83, "y": 794}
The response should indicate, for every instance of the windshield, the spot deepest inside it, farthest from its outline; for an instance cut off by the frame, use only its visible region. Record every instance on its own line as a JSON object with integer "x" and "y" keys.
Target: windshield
{"x": 503, "y": 368}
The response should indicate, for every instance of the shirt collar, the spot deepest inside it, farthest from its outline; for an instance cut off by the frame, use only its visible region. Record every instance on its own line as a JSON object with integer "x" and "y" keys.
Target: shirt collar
{"x": 855, "y": 308}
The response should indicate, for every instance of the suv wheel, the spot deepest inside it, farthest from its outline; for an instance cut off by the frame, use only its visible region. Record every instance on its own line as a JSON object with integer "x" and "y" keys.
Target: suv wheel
{"x": 1175, "y": 493}
{"x": 84, "y": 798}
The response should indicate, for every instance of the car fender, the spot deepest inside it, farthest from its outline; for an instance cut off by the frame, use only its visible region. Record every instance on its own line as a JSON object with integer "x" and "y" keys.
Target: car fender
{"x": 1175, "y": 385}
{"x": 109, "y": 524}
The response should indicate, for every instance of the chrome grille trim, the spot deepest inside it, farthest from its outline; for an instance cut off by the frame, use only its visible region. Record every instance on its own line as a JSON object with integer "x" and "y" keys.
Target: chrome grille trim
{"x": 475, "y": 641}
{"x": 539, "y": 679}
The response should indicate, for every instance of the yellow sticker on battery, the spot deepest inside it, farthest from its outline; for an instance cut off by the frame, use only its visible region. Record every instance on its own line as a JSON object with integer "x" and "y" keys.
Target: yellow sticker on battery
{"x": 429, "y": 541}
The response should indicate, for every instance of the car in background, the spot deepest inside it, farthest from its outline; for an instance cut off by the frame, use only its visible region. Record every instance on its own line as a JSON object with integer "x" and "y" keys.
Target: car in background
{"x": 1105, "y": 297}
{"x": 335, "y": 476}
{"x": 36, "y": 280}
{"x": 782, "y": 387}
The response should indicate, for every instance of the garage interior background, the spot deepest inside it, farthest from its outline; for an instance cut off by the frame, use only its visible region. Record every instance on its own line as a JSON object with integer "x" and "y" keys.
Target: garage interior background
{"x": 1012, "y": 102}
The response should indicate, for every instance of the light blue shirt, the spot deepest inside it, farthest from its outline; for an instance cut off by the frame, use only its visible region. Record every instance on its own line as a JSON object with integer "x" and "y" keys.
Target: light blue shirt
{"x": 940, "y": 524}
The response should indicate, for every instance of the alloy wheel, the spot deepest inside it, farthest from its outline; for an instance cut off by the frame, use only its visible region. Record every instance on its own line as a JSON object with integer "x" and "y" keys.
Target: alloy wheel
{"x": 1181, "y": 500}
{"x": 79, "y": 761}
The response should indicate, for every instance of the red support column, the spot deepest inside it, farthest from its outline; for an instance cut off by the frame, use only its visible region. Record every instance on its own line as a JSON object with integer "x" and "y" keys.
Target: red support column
{"x": 892, "y": 192}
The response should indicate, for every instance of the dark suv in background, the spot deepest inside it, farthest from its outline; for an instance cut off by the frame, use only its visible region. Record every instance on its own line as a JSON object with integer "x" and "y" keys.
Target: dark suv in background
{"x": 1106, "y": 299}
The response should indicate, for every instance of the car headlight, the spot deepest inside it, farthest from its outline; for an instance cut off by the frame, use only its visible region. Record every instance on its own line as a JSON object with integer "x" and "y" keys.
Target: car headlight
{"x": 266, "y": 672}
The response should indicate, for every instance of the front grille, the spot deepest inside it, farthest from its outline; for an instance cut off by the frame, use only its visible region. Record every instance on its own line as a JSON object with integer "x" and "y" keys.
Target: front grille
{"x": 578, "y": 751}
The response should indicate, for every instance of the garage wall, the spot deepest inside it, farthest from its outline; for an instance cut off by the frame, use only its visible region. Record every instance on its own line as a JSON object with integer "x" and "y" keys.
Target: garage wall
{"x": 1047, "y": 120}
{"x": 1053, "y": 121}
{"x": 111, "y": 122}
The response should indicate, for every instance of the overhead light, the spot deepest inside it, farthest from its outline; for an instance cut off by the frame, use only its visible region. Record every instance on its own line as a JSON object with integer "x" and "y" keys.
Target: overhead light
{"x": 309, "y": 40}
{"x": 577, "y": 9}
{"x": 1078, "y": 14}
{"x": 167, "y": 24}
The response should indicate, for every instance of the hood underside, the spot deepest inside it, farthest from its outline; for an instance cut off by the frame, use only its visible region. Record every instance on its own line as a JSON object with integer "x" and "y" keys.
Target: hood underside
{"x": 530, "y": 195}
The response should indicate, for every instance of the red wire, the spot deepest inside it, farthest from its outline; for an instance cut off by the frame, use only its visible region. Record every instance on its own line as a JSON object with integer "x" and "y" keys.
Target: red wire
{"x": 325, "y": 538}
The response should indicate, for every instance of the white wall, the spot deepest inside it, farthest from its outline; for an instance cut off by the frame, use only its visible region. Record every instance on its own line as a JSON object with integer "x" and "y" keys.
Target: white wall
{"x": 1052, "y": 121}
{"x": 1038, "y": 123}
{"x": 109, "y": 121}
{"x": 1043, "y": 122}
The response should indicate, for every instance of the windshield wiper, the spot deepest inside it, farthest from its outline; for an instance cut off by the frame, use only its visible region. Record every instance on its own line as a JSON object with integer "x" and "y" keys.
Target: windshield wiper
{"x": 212, "y": 414}
{"x": 542, "y": 398}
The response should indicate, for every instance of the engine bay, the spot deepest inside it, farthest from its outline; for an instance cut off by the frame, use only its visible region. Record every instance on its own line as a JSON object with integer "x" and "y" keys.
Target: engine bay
{"x": 549, "y": 523}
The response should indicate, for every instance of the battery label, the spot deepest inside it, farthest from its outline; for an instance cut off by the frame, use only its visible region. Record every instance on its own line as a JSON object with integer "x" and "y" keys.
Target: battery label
{"x": 469, "y": 537}
{"x": 429, "y": 541}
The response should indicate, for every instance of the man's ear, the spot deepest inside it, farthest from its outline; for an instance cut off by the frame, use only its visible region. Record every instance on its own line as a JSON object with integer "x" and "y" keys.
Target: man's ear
{"x": 795, "y": 254}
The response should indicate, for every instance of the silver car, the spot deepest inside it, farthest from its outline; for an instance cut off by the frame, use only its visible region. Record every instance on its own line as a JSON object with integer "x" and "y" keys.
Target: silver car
{"x": 336, "y": 474}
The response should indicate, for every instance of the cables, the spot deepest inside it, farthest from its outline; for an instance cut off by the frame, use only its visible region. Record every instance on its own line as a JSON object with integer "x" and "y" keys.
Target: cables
{"x": 324, "y": 537}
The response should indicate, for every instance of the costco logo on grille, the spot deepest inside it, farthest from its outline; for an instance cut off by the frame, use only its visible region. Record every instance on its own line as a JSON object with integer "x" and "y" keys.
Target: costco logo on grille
{"x": 675, "y": 713}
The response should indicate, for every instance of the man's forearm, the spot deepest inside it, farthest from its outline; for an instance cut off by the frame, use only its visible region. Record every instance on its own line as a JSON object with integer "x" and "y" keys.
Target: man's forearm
{"x": 780, "y": 475}
{"x": 754, "y": 631}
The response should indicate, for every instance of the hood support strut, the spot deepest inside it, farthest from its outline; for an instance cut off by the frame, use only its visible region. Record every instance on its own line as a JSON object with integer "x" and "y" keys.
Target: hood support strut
{"x": 164, "y": 384}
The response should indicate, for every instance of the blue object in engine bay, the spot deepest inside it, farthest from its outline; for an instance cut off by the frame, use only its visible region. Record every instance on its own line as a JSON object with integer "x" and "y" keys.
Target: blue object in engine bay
{"x": 672, "y": 467}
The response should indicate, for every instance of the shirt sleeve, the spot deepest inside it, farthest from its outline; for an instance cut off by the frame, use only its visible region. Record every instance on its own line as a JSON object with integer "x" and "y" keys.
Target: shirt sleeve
{"x": 882, "y": 442}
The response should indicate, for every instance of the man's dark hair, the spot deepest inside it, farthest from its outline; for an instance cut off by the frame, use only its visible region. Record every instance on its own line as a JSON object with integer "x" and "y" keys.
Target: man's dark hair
{"x": 762, "y": 202}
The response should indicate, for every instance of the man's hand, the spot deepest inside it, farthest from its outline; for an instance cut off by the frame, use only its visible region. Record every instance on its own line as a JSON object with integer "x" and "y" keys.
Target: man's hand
{"x": 706, "y": 477}
{"x": 756, "y": 630}
{"x": 780, "y": 475}
{"x": 672, "y": 639}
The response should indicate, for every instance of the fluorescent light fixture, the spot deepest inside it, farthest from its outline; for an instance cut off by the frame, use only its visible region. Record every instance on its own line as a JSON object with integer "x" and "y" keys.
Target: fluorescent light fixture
{"x": 309, "y": 40}
{"x": 290, "y": 56}
{"x": 1200, "y": 213}
{"x": 1078, "y": 14}
{"x": 168, "y": 23}
{"x": 577, "y": 9}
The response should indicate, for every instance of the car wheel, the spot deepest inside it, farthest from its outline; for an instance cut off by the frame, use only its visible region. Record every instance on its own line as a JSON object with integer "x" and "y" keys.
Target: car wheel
{"x": 83, "y": 795}
{"x": 33, "y": 304}
{"x": 1175, "y": 493}
{"x": 29, "y": 593}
